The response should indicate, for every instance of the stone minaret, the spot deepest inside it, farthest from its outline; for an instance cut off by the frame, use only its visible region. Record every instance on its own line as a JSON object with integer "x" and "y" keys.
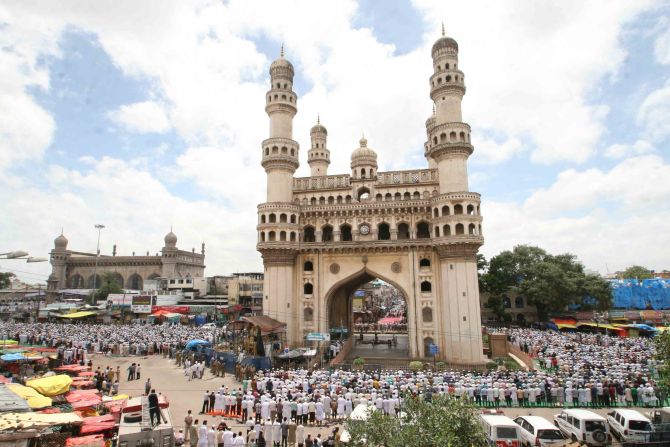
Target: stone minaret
{"x": 278, "y": 216}
{"x": 318, "y": 156}
{"x": 456, "y": 226}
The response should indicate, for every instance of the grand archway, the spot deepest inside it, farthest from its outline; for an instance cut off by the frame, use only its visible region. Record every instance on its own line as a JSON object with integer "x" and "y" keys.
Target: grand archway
{"x": 370, "y": 311}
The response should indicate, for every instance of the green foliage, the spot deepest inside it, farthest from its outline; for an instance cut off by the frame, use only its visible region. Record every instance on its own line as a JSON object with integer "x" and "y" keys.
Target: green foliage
{"x": 415, "y": 366}
{"x": 492, "y": 366}
{"x": 440, "y": 365}
{"x": 443, "y": 422}
{"x": 511, "y": 365}
{"x": 108, "y": 285}
{"x": 550, "y": 282}
{"x": 637, "y": 271}
{"x": 6, "y": 279}
{"x": 358, "y": 361}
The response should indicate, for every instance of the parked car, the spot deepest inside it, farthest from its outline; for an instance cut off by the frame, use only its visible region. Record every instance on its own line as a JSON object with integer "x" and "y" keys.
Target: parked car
{"x": 537, "y": 431}
{"x": 629, "y": 425}
{"x": 501, "y": 430}
{"x": 583, "y": 426}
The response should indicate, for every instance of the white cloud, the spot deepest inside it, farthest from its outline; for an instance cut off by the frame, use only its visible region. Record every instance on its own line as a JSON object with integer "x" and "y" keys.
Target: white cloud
{"x": 490, "y": 151}
{"x": 662, "y": 44}
{"x": 625, "y": 150}
{"x": 654, "y": 113}
{"x": 142, "y": 117}
{"x": 617, "y": 217}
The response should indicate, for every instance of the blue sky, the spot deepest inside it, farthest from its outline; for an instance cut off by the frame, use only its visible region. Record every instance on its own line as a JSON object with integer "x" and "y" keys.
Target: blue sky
{"x": 156, "y": 119}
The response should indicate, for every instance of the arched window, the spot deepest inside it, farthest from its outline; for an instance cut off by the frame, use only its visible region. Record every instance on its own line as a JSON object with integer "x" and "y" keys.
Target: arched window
{"x": 292, "y": 236}
{"x": 471, "y": 210}
{"x": 272, "y": 236}
{"x": 345, "y": 232}
{"x": 460, "y": 229}
{"x": 308, "y": 266}
{"x": 363, "y": 194}
{"x": 312, "y": 201}
{"x": 118, "y": 279}
{"x": 388, "y": 197}
{"x": 424, "y": 262}
{"x": 379, "y": 197}
{"x": 507, "y": 303}
{"x": 416, "y": 195}
{"x": 347, "y": 199}
{"x": 308, "y": 314}
{"x": 327, "y": 233}
{"x": 282, "y": 218}
{"x": 452, "y": 136}
{"x": 308, "y": 288}
{"x": 293, "y": 218}
{"x": 383, "y": 232}
{"x": 322, "y": 200}
{"x": 282, "y": 235}
{"x": 458, "y": 209}
{"x": 403, "y": 231}
{"x": 262, "y": 218}
{"x": 422, "y": 230}
{"x": 331, "y": 200}
{"x": 308, "y": 234}
{"x": 397, "y": 197}
{"x": 472, "y": 229}
{"x": 135, "y": 282}
{"x": 407, "y": 196}
{"x": 426, "y": 286}
{"x": 262, "y": 236}
{"x": 77, "y": 282}
{"x": 427, "y": 315}
{"x": 446, "y": 230}
{"x": 362, "y": 172}
{"x": 518, "y": 302}
{"x": 272, "y": 218}
{"x": 436, "y": 212}
{"x": 437, "y": 231}
{"x": 445, "y": 210}
{"x": 462, "y": 134}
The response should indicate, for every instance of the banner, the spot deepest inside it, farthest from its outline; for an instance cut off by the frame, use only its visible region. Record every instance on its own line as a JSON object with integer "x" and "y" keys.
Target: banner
{"x": 172, "y": 309}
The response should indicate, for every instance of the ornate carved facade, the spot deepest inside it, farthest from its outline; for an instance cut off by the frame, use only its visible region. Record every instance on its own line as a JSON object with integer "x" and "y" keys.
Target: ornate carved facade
{"x": 323, "y": 236}
{"x": 76, "y": 270}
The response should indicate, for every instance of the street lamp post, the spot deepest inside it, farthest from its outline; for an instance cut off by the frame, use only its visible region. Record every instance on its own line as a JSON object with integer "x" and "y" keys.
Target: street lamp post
{"x": 95, "y": 269}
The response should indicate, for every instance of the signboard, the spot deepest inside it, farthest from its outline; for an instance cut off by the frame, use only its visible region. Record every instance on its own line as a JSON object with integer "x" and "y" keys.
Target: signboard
{"x": 119, "y": 299}
{"x": 141, "y": 304}
{"x": 432, "y": 348}
{"x": 317, "y": 336}
{"x": 357, "y": 305}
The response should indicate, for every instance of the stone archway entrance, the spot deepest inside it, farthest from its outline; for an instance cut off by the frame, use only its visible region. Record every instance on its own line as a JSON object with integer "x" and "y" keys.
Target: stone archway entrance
{"x": 370, "y": 339}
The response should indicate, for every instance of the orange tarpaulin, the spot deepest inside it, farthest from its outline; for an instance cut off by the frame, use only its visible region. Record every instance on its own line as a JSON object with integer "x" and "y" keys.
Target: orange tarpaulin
{"x": 97, "y": 424}
{"x": 88, "y": 441}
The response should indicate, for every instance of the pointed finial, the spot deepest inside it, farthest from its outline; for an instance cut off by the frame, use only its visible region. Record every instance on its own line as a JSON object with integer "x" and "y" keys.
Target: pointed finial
{"x": 281, "y": 53}
{"x": 433, "y": 108}
{"x": 443, "y": 29}
{"x": 318, "y": 119}
{"x": 170, "y": 228}
{"x": 61, "y": 231}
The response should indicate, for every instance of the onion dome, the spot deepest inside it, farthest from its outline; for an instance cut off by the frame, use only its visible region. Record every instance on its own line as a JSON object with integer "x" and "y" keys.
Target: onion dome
{"x": 170, "y": 239}
{"x": 282, "y": 66}
{"x": 318, "y": 128}
{"x": 364, "y": 153}
{"x": 444, "y": 42}
{"x": 61, "y": 242}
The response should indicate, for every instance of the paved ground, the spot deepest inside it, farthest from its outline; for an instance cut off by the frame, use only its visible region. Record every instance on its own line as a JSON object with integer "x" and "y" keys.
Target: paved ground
{"x": 185, "y": 395}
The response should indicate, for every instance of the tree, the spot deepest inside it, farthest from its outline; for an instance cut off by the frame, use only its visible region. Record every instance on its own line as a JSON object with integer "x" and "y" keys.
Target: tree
{"x": 637, "y": 272}
{"x": 443, "y": 421}
{"x": 6, "y": 279}
{"x": 549, "y": 282}
{"x": 107, "y": 285}
{"x": 662, "y": 344}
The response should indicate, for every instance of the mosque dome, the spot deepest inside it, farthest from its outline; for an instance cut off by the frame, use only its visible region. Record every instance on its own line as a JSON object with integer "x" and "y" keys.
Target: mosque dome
{"x": 281, "y": 63}
{"x": 444, "y": 42}
{"x": 364, "y": 153}
{"x": 170, "y": 239}
{"x": 61, "y": 241}
{"x": 318, "y": 128}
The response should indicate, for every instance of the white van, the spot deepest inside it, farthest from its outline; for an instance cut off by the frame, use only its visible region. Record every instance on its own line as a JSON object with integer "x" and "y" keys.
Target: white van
{"x": 500, "y": 430}
{"x": 537, "y": 431}
{"x": 583, "y": 426}
{"x": 629, "y": 425}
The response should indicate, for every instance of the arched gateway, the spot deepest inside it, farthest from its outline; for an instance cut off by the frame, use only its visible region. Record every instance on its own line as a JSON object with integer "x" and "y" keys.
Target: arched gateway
{"x": 323, "y": 236}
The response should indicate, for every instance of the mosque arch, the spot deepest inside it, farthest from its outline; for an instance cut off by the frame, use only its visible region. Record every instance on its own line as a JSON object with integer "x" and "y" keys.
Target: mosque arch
{"x": 135, "y": 282}
{"x": 94, "y": 281}
{"x": 308, "y": 234}
{"x": 345, "y": 233}
{"x": 76, "y": 281}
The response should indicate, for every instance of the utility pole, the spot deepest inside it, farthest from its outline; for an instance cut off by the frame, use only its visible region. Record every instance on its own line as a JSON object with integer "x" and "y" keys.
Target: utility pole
{"x": 95, "y": 269}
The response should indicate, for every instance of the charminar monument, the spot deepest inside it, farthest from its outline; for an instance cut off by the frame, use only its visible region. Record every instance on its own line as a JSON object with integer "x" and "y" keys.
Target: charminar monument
{"x": 323, "y": 236}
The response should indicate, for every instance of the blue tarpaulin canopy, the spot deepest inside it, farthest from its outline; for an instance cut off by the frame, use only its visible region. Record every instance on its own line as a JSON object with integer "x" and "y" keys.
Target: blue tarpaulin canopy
{"x": 193, "y": 343}
{"x": 12, "y": 357}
